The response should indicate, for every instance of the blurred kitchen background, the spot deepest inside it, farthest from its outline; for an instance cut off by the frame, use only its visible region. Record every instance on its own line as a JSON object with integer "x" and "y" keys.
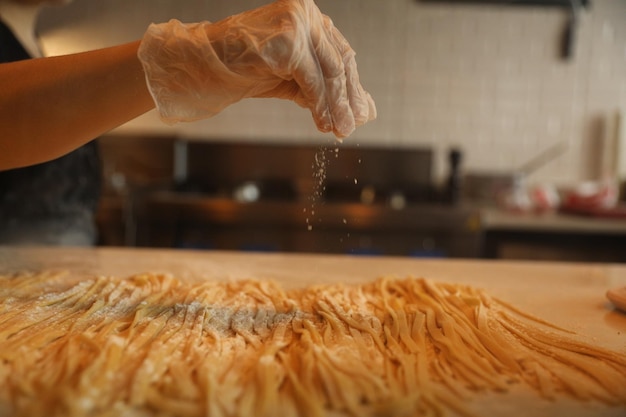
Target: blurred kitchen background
{"x": 499, "y": 135}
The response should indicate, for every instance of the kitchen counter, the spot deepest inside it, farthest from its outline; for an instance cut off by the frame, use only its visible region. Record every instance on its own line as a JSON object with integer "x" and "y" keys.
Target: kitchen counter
{"x": 195, "y": 220}
{"x": 497, "y": 219}
{"x": 569, "y": 295}
{"x": 552, "y": 236}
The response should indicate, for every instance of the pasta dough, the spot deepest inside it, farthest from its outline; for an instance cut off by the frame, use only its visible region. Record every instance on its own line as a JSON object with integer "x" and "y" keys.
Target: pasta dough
{"x": 151, "y": 345}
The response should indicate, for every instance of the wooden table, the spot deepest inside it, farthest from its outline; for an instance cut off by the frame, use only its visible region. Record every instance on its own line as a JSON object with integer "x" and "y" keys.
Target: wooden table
{"x": 566, "y": 294}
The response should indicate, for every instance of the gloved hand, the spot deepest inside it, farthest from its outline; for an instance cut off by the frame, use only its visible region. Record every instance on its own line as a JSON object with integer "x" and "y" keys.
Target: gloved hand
{"x": 287, "y": 49}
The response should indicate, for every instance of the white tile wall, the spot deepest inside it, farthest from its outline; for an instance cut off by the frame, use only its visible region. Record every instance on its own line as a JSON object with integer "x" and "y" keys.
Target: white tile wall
{"x": 487, "y": 79}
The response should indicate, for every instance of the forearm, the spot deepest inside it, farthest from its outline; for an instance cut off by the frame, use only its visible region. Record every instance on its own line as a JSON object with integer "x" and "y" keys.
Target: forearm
{"x": 51, "y": 106}
{"x": 287, "y": 49}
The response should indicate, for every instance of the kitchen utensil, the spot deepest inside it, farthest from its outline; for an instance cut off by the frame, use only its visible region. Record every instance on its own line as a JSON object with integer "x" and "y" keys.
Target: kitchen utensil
{"x": 496, "y": 187}
{"x": 542, "y": 158}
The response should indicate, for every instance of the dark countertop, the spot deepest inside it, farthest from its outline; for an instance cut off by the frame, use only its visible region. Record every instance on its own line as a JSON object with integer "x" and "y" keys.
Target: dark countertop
{"x": 494, "y": 219}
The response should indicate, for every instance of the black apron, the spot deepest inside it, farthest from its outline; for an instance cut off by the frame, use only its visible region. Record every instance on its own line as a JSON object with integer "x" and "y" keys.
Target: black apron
{"x": 52, "y": 203}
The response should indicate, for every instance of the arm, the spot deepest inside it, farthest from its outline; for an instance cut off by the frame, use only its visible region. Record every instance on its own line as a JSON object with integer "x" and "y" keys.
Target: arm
{"x": 50, "y": 106}
{"x": 286, "y": 50}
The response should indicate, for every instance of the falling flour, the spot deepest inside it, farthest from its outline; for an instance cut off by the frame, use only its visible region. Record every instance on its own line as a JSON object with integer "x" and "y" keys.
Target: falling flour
{"x": 319, "y": 167}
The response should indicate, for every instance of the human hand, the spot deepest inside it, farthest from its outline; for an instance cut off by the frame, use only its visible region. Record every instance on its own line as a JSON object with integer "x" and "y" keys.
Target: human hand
{"x": 287, "y": 49}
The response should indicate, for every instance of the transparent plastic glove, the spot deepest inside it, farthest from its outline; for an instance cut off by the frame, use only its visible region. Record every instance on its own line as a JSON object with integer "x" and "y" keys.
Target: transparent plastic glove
{"x": 287, "y": 49}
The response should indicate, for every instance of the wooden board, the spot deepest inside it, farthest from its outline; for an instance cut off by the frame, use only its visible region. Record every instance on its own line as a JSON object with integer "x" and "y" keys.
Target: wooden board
{"x": 566, "y": 294}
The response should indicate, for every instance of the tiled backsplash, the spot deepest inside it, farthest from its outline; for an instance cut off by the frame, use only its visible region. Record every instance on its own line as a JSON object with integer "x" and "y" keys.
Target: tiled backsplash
{"x": 490, "y": 80}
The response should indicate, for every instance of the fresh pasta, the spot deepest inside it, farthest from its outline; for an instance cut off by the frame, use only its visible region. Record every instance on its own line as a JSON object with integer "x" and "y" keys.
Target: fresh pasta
{"x": 154, "y": 345}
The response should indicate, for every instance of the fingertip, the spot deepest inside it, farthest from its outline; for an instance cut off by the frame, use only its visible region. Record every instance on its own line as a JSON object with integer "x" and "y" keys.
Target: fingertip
{"x": 340, "y": 126}
{"x": 323, "y": 120}
{"x": 343, "y": 134}
{"x": 344, "y": 125}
